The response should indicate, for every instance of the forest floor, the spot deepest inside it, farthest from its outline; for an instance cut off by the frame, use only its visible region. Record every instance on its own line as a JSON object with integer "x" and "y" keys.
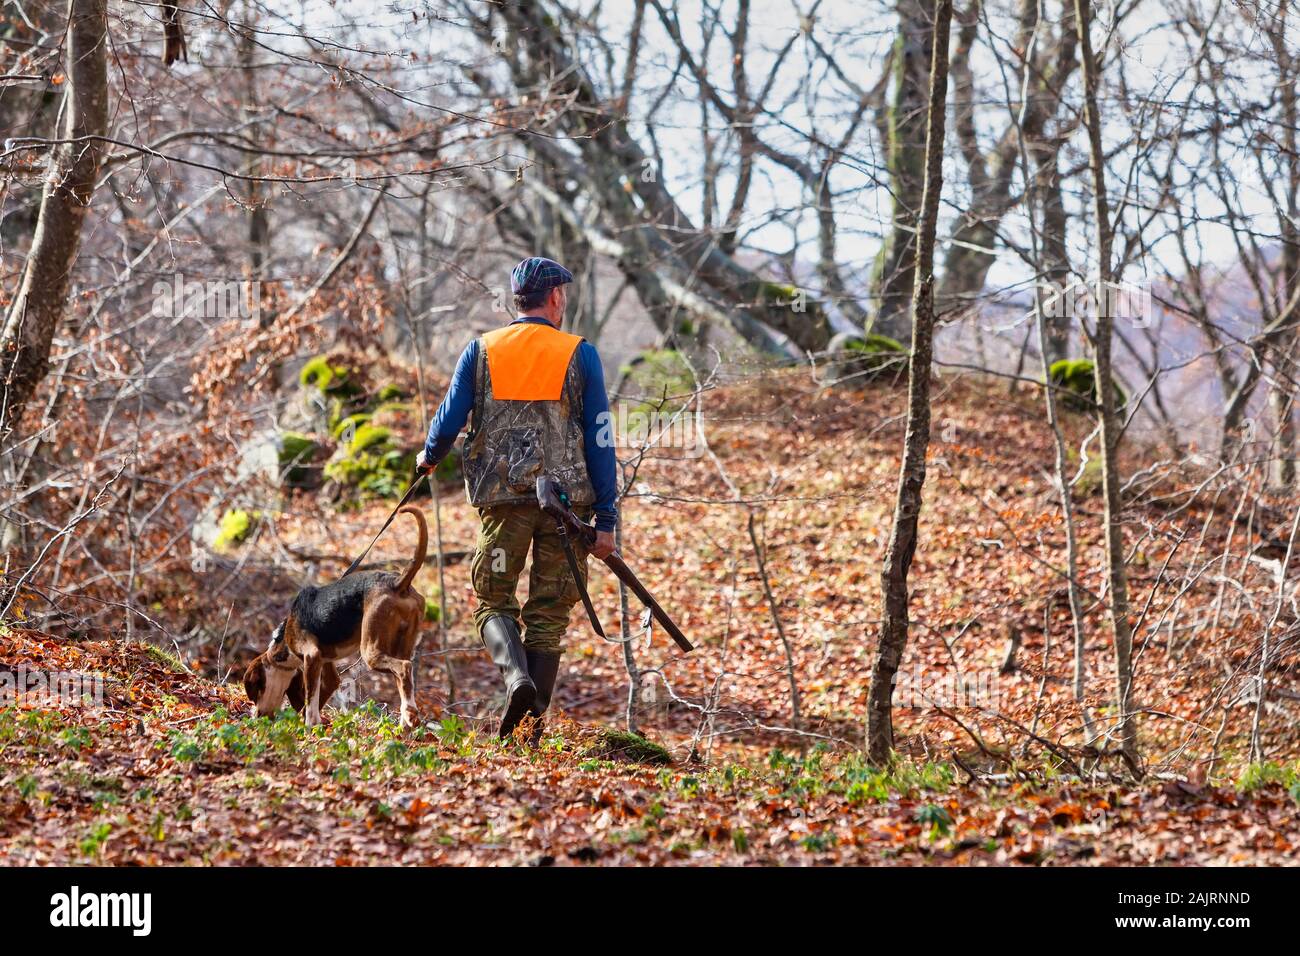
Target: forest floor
{"x": 995, "y": 765}
{"x": 165, "y": 772}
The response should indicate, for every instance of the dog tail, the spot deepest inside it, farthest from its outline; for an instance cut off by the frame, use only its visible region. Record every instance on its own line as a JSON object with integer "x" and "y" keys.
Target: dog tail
{"x": 421, "y": 550}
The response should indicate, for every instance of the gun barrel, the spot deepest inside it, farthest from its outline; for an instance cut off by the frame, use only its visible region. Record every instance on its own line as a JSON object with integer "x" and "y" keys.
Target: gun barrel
{"x": 626, "y": 575}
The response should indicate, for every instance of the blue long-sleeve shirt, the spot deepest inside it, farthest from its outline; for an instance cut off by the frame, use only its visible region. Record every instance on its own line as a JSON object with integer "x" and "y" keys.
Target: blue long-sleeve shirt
{"x": 602, "y": 466}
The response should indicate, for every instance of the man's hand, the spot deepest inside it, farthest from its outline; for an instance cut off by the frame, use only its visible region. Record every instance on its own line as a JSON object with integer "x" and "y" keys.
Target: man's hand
{"x": 422, "y": 464}
{"x": 603, "y": 546}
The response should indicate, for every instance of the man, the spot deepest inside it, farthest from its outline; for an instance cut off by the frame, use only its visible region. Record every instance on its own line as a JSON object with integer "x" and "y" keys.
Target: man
{"x": 538, "y": 401}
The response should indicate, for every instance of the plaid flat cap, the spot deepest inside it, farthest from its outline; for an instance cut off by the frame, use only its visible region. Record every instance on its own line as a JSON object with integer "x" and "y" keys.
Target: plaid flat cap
{"x": 536, "y": 274}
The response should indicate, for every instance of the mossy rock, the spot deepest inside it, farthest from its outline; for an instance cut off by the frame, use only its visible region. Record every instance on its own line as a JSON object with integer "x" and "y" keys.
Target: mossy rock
{"x": 369, "y": 436}
{"x": 863, "y": 357}
{"x": 622, "y": 745}
{"x": 1078, "y": 377}
{"x": 236, "y": 526}
{"x": 298, "y": 454}
{"x": 369, "y": 461}
{"x": 328, "y": 378}
{"x": 778, "y": 294}
{"x": 657, "y": 373}
{"x": 340, "y": 428}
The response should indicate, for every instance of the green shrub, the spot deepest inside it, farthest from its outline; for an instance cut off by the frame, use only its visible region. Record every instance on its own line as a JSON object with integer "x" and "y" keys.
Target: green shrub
{"x": 449, "y": 469}
{"x": 1078, "y": 377}
{"x": 1259, "y": 776}
{"x": 378, "y": 472}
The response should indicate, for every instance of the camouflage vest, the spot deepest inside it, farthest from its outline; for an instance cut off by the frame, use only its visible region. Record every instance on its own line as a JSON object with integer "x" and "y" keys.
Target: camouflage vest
{"x": 527, "y": 417}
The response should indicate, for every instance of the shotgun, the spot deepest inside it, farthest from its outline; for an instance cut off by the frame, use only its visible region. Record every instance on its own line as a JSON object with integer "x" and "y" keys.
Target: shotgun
{"x": 553, "y": 500}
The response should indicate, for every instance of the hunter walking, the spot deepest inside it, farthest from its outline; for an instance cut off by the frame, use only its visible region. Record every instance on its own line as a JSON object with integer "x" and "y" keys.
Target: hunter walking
{"x": 538, "y": 400}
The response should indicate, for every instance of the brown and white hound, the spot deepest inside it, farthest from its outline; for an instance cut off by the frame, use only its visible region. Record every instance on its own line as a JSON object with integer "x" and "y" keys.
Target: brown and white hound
{"x": 377, "y": 613}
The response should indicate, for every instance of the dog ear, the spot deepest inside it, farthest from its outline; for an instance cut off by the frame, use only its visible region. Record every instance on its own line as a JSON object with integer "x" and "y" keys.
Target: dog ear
{"x": 298, "y": 692}
{"x": 255, "y": 679}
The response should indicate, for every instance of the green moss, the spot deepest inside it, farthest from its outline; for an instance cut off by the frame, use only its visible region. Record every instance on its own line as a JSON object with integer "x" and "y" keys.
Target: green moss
{"x": 1078, "y": 377}
{"x": 164, "y": 657}
{"x": 390, "y": 393}
{"x": 295, "y": 447}
{"x": 870, "y": 355}
{"x": 236, "y": 526}
{"x": 432, "y": 610}
{"x": 622, "y": 745}
{"x": 449, "y": 469}
{"x": 354, "y": 422}
{"x": 659, "y": 372}
{"x": 297, "y": 452}
{"x": 318, "y": 373}
{"x": 776, "y": 293}
{"x": 368, "y": 436}
{"x": 874, "y": 344}
{"x": 377, "y": 472}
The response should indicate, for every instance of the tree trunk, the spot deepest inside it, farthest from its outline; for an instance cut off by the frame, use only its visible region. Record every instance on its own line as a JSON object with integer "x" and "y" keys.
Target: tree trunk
{"x": 73, "y": 168}
{"x": 895, "y": 270}
{"x": 911, "y": 478}
{"x": 1282, "y": 390}
{"x": 1117, "y": 580}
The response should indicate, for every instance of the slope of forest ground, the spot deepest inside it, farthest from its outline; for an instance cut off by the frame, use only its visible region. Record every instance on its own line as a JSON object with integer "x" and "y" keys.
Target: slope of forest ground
{"x": 172, "y": 771}
{"x": 167, "y": 774}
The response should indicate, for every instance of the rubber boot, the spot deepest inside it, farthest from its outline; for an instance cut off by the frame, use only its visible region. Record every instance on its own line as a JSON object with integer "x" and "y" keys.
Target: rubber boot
{"x": 543, "y": 666}
{"x": 501, "y": 637}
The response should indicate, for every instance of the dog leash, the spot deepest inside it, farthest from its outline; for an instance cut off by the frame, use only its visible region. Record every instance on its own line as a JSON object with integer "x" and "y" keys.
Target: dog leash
{"x": 410, "y": 493}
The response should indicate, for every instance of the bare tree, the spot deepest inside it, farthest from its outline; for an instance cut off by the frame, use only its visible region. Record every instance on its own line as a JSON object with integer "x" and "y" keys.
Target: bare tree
{"x": 1108, "y": 417}
{"x": 911, "y": 477}
{"x": 70, "y": 180}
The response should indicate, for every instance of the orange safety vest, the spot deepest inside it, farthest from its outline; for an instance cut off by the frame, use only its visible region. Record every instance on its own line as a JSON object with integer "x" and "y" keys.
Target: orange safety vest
{"x": 527, "y": 417}
{"x": 528, "y": 361}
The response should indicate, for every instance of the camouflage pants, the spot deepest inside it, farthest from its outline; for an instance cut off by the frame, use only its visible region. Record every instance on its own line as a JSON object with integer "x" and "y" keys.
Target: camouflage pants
{"x": 506, "y": 532}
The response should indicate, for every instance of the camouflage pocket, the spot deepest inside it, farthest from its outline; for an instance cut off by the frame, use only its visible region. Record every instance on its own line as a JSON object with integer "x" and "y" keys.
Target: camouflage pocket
{"x": 519, "y": 459}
